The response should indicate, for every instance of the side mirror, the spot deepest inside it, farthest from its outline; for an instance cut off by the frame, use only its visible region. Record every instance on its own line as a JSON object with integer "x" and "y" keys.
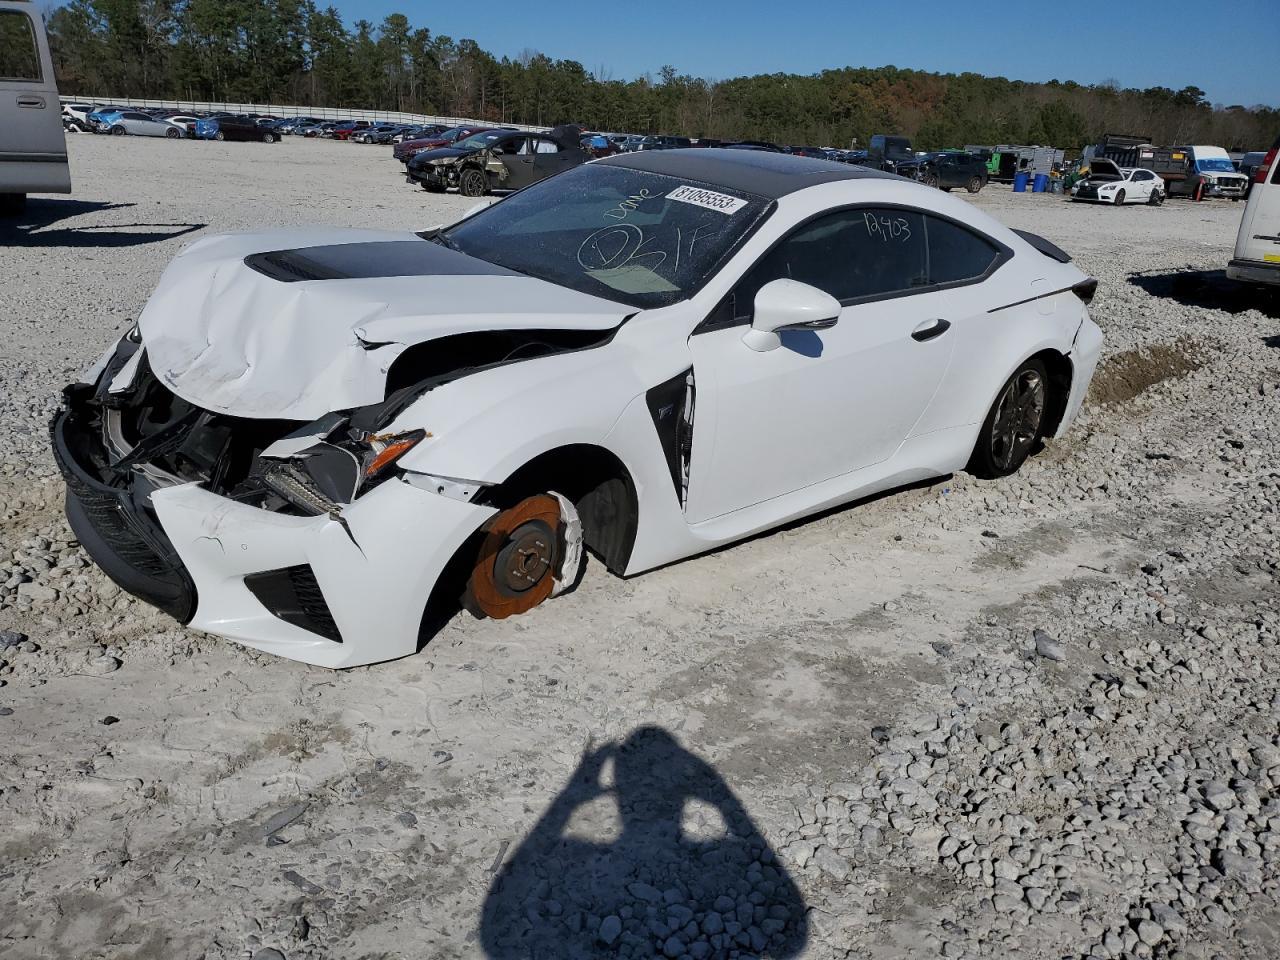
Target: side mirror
{"x": 789, "y": 305}
{"x": 497, "y": 151}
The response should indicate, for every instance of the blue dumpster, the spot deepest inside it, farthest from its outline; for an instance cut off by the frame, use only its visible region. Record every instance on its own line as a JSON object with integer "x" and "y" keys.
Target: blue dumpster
{"x": 1020, "y": 182}
{"x": 1040, "y": 184}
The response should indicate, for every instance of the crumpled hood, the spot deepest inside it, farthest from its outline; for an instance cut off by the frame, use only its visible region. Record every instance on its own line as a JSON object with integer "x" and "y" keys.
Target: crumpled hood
{"x": 438, "y": 153}
{"x": 293, "y": 324}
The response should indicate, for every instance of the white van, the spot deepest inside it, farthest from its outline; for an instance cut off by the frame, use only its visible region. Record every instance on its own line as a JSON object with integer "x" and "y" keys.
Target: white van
{"x": 33, "y": 149}
{"x": 1257, "y": 258}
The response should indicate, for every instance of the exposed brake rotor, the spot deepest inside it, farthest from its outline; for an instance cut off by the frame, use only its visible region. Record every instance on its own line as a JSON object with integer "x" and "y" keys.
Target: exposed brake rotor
{"x": 518, "y": 560}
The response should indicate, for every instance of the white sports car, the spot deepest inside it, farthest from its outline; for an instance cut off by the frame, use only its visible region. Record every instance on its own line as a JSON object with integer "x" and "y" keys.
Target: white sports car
{"x": 1108, "y": 183}
{"x": 315, "y": 441}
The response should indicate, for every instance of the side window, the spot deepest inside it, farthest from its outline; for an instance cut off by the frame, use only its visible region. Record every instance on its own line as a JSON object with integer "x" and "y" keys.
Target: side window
{"x": 19, "y": 55}
{"x": 136, "y": 116}
{"x": 522, "y": 143}
{"x": 955, "y": 253}
{"x": 546, "y": 146}
{"x": 852, "y": 255}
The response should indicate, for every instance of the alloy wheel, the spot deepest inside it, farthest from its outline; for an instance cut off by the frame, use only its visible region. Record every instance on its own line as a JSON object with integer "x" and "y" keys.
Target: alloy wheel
{"x": 1018, "y": 416}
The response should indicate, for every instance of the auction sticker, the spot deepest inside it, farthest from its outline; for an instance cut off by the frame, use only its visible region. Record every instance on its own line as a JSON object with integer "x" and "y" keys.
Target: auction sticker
{"x": 708, "y": 199}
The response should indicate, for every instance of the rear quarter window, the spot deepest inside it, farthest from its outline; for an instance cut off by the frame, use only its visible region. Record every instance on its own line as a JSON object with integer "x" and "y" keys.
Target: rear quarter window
{"x": 957, "y": 254}
{"x": 19, "y": 55}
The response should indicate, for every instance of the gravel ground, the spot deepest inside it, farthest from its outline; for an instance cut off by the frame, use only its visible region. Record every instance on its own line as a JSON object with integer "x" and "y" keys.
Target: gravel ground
{"x": 1037, "y": 717}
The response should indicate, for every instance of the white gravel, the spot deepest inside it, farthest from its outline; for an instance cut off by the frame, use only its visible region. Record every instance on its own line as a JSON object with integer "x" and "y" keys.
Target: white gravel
{"x": 1038, "y": 717}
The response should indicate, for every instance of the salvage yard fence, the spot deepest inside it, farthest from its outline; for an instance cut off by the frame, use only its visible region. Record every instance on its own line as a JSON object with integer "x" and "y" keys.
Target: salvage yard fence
{"x": 283, "y": 110}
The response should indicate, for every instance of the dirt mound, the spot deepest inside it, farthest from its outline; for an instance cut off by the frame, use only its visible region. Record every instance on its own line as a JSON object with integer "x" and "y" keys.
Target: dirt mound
{"x": 1125, "y": 375}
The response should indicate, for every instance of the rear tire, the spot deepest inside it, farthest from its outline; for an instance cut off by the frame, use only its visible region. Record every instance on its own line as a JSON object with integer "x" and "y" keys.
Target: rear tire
{"x": 268, "y": 137}
{"x": 974, "y": 184}
{"x": 172, "y": 134}
{"x": 1015, "y": 424}
{"x": 1156, "y": 198}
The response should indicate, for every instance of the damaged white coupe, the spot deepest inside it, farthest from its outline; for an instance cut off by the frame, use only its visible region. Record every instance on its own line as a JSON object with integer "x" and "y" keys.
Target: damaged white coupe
{"x": 317, "y": 443}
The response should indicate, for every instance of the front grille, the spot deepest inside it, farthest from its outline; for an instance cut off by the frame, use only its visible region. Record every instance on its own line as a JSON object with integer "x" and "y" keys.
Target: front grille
{"x": 293, "y": 595}
{"x": 117, "y": 530}
{"x": 103, "y": 510}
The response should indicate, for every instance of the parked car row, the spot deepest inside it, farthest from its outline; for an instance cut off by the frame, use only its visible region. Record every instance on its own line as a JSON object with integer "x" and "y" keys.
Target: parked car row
{"x": 156, "y": 122}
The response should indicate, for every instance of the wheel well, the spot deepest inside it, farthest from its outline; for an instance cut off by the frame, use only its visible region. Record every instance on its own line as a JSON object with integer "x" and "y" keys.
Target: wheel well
{"x": 599, "y": 486}
{"x": 1060, "y": 373}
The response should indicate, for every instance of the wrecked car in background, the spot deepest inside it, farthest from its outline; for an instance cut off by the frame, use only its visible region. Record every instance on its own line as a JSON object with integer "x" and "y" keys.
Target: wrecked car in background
{"x": 406, "y": 150}
{"x": 313, "y": 442}
{"x": 495, "y": 160}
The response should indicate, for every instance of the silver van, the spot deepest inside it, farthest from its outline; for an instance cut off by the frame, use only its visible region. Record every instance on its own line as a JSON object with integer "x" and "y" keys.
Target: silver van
{"x": 33, "y": 148}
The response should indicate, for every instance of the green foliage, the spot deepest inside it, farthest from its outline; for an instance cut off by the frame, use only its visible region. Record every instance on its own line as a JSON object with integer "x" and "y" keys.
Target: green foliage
{"x": 292, "y": 52}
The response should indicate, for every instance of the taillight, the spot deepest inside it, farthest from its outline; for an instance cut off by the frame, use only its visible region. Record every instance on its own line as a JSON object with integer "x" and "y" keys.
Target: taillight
{"x": 1260, "y": 175}
{"x": 1085, "y": 289}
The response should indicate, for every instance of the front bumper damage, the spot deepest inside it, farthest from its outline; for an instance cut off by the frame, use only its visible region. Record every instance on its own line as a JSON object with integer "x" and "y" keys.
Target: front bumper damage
{"x": 334, "y": 590}
{"x": 1231, "y": 187}
{"x": 433, "y": 175}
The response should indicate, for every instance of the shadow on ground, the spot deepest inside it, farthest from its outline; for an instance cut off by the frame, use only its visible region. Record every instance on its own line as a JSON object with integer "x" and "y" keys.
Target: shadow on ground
{"x": 645, "y": 853}
{"x": 1209, "y": 290}
{"x": 34, "y": 226}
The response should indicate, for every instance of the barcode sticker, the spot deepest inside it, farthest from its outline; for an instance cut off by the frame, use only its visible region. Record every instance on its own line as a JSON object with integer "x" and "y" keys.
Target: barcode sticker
{"x": 708, "y": 199}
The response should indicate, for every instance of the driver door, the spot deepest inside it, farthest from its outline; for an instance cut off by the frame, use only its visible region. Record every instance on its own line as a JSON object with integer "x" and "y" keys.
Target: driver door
{"x": 517, "y": 157}
{"x": 550, "y": 158}
{"x": 829, "y": 401}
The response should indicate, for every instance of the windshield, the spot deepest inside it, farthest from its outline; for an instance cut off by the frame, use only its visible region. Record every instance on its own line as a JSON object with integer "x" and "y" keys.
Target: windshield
{"x": 1215, "y": 165}
{"x": 631, "y": 236}
{"x": 480, "y": 140}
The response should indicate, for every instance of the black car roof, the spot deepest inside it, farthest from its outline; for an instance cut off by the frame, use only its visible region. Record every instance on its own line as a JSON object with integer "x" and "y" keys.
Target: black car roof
{"x": 769, "y": 175}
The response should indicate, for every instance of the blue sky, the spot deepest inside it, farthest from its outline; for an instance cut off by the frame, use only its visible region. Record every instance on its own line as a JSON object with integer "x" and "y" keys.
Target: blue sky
{"x": 1226, "y": 48}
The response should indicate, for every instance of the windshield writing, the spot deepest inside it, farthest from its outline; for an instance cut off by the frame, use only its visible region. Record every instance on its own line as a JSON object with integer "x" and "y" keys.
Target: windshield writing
{"x": 640, "y": 238}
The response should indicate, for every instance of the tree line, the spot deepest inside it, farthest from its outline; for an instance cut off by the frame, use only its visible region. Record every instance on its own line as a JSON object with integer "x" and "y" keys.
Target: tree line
{"x": 294, "y": 52}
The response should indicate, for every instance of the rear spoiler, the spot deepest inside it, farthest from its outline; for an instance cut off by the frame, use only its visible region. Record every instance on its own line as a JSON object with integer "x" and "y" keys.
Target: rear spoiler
{"x": 1046, "y": 247}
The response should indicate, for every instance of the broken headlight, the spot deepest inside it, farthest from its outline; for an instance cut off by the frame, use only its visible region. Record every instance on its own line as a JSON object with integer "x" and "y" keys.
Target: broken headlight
{"x": 322, "y": 477}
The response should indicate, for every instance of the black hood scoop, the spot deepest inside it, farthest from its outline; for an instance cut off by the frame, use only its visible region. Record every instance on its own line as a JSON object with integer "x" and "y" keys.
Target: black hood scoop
{"x": 358, "y": 261}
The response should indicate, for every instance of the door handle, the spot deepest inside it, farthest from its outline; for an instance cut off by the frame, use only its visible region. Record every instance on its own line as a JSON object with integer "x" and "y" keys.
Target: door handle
{"x": 30, "y": 101}
{"x": 930, "y": 329}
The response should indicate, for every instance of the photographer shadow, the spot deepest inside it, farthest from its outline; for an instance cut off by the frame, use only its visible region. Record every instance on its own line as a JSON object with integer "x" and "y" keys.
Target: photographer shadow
{"x": 661, "y": 861}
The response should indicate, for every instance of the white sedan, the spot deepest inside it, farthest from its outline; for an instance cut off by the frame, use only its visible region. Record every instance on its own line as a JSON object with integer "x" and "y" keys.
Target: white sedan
{"x": 1108, "y": 183}
{"x": 316, "y": 442}
{"x": 184, "y": 123}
